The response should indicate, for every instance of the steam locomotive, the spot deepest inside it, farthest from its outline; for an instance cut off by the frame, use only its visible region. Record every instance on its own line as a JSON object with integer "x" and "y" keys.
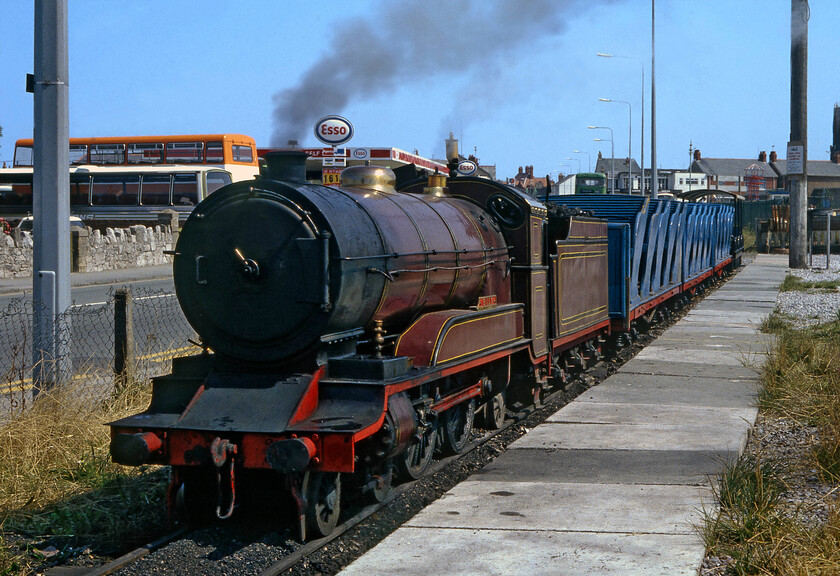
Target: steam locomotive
{"x": 351, "y": 333}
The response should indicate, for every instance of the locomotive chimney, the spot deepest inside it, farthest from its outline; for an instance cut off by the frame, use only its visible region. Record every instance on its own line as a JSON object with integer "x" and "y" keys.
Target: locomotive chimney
{"x": 452, "y": 155}
{"x": 285, "y": 165}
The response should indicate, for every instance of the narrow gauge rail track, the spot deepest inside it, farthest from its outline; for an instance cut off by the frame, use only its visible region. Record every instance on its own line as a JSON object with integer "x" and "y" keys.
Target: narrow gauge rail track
{"x": 410, "y": 497}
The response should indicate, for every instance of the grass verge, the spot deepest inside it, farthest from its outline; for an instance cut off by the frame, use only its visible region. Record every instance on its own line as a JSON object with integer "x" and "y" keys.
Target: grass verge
{"x": 58, "y": 486}
{"x": 756, "y": 527}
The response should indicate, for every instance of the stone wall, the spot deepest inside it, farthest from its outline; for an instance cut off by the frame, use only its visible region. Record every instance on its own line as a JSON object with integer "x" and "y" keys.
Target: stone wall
{"x": 94, "y": 251}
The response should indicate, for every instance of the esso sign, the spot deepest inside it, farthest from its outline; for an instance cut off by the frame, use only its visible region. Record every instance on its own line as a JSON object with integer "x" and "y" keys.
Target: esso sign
{"x": 467, "y": 168}
{"x": 333, "y": 130}
{"x": 360, "y": 153}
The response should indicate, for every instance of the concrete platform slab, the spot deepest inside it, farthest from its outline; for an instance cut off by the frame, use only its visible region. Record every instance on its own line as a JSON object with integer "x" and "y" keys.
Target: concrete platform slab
{"x": 728, "y": 435}
{"x": 420, "y": 552}
{"x": 653, "y": 414}
{"x": 629, "y": 388}
{"x": 719, "y": 357}
{"x": 685, "y": 467}
{"x": 485, "y": 504}
{"x": 694, "y": 369}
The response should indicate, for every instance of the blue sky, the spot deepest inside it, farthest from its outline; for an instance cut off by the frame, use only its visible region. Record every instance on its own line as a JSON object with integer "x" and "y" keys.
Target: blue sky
{"x": 517, "y": 81}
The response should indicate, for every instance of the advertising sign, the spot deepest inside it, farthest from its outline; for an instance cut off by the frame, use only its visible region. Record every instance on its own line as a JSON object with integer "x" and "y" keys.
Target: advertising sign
{"x": 331, "y": 176}
{"x": 467, "y": 168}
{"x": 333, "y": 130}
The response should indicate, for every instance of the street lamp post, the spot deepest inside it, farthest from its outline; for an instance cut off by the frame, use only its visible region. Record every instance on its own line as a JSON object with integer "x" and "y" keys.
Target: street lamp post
{"x": 612, "y": 152}
{"x": 629, "y": 144}
{"x": 588, "y": 157}
{"x": 603, "y": 55}
{"x": 576, "y": 160}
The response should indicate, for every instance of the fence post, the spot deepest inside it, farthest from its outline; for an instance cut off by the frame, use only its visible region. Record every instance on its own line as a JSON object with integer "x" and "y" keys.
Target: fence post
{"x": 123, "y": 337}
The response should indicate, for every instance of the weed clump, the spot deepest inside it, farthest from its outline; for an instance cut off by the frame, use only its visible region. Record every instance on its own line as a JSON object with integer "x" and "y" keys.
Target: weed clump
{"x": 58, "y": 484}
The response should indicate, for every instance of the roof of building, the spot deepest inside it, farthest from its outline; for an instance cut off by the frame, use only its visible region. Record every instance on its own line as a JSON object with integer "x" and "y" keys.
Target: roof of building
{"x": 731, "y": 166}
{"x": 604, "y": 165}
{"x": 815, "y": 168}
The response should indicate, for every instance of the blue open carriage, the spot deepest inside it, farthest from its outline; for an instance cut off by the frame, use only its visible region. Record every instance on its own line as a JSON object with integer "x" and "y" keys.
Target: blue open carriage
{"x": 657, "y": 248}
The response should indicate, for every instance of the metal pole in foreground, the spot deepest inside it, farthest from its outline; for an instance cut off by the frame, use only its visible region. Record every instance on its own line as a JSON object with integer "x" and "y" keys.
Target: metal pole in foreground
{"x": 51, "y": 199}
{"x": 797, "y": 155}
{"x": 654, "y": 177}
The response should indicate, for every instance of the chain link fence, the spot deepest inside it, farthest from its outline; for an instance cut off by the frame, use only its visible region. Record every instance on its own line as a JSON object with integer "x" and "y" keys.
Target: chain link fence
{"x": 134, "y": 334}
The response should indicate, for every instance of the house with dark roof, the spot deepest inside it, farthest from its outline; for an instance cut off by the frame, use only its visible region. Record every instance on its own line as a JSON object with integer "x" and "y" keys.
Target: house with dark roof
{"x": 744, "y": 176}
{"x": 618, "y": 170}
{"x": 823, "y": 175}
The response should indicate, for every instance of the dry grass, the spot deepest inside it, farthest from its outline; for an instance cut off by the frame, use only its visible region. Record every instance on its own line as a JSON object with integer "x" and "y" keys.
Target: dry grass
{"x": 801, "y": 381}
{"x": 57, "y": 482}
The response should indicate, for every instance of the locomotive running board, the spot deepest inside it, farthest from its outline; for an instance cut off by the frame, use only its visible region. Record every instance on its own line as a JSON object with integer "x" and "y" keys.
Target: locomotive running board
{"x": 449, "y": 335}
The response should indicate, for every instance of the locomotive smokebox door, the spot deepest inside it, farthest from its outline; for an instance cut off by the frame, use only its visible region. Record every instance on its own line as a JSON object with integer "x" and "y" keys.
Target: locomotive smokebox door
{"x": 252, "y": 273}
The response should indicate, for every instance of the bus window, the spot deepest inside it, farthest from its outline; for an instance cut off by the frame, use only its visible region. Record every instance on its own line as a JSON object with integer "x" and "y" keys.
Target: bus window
{"x": 78, "y": 154}
{"x": 112, "y": 189}
{"x": 184, "y": 152}
{"x": 107, "y": 154}
{"x": 155, "y": 190}
{"x": 145, "y": 153}
{"x": 216, "y": 180}
{"x": 215, "y": 153}
{"x": 243, "y": 154}
{"x": 16, "y": 194}
{"x": 79, "y": 190}
{"x": 23, "y": 156}
{"x": 185, "y": 190}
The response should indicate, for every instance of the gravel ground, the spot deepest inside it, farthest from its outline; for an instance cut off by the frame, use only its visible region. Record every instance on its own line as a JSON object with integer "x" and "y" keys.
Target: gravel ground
{"x": 788, "y": 442}
{"x": 816, "y": 306}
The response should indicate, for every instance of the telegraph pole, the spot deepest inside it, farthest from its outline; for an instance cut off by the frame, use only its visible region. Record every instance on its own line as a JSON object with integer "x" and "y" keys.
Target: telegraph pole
{"x": 654, "y": 176}
{"x": 51, "y": 198}
{"x": 797, "y": 150}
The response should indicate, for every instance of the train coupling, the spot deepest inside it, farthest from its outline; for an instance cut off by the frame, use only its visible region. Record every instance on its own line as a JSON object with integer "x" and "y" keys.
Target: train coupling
{"x": 222, "y": 453}
{"x": 134, "y": 449}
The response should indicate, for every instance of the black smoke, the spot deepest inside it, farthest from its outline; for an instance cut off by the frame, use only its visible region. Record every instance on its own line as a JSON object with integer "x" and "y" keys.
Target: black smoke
{"x": 412, "y": 39}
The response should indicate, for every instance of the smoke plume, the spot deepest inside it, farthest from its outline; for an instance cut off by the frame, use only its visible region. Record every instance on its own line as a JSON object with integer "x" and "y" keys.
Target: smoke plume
{"x": 413, "y": 39}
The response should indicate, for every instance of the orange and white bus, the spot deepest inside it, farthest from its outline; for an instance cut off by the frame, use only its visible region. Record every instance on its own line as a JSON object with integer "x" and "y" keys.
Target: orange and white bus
{"x": 235, "y": 153}
{"x": 130, "y": 179}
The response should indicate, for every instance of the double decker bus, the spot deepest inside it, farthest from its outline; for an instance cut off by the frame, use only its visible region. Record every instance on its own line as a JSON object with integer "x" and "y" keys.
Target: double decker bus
{"x": 129, "y": 180}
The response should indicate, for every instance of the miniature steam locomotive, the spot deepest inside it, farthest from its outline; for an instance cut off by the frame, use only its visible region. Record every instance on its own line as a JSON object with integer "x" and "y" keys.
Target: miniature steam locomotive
{"x": 352, "y": 332}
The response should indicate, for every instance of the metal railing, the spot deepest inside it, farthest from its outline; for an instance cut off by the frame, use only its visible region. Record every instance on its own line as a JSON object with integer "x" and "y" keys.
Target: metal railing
{"x": 130, "y": 336}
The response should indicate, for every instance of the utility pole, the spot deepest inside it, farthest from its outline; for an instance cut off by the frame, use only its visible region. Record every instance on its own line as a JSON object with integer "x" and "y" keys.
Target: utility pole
{"x": 654, "y": 176}
{"x": 797, "y": 151}
{"x": 51, "y": 198}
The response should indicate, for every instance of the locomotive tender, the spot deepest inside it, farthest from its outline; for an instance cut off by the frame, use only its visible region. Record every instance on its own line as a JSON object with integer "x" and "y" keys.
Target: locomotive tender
{"x": 350, "y": 333}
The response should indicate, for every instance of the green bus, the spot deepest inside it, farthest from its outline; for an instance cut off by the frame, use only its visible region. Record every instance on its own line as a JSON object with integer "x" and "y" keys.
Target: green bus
{"x": 590, "y": 183}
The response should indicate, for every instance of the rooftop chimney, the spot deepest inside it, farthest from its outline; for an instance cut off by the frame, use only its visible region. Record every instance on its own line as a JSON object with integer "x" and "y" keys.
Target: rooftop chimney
{"x": 773, "y": 156}
{"x": 835, "y": 157}
{"x": 762, "y": 156}
{"x": 697, "y": 155}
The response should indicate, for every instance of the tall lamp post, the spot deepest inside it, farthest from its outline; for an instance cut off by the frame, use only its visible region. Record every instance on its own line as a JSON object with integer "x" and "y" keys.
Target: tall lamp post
{"x": 576, "y": 160}
{"x": 630, "y": 142}
{"x": 642, "y": 65}
{"x": 612, "y": 152}
{"x": 588, "y": 157}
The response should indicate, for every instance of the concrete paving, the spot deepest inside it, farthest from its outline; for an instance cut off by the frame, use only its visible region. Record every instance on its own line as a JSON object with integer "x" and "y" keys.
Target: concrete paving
{"x": 615, "y": 483}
